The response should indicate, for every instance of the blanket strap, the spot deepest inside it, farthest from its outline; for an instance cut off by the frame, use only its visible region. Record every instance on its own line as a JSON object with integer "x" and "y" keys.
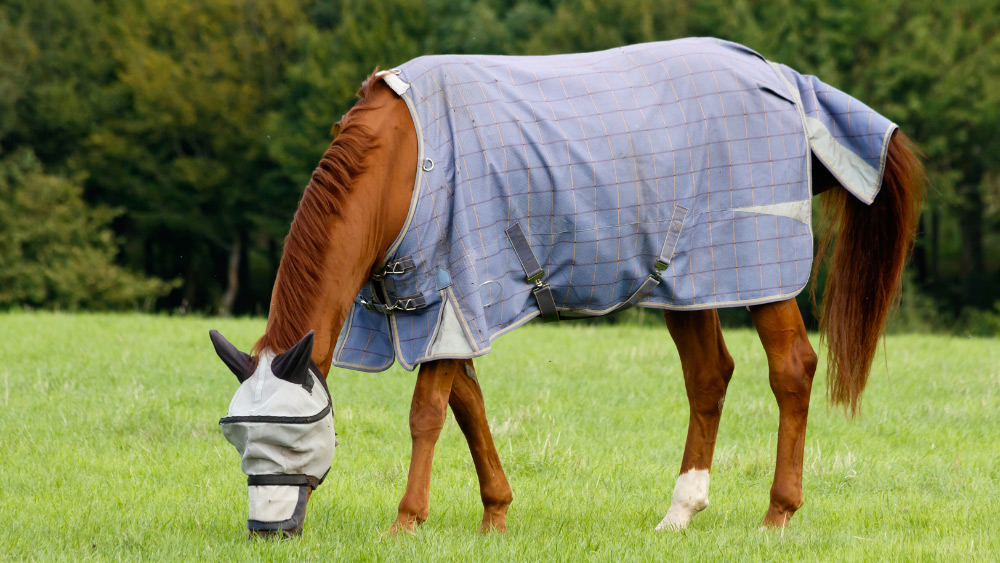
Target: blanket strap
{"x": 543, "y": 293}
{"x": 533, "y": 273}
{"x": 299, "y": 480}
{"x": 382, "y": 299}
{"x": 662, "y": 261}
{"x": 406, "y": 303}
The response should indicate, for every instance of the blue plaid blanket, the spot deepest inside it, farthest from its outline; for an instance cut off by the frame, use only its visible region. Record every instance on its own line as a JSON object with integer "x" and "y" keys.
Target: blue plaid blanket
{"x": 594, "y": 158}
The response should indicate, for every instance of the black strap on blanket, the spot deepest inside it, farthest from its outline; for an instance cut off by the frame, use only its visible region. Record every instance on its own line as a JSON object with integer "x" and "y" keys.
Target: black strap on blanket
{"x": 533, "y": 273}
{"x": 662, "y": 261}
{"x": 406, "y": 303}
{"x": 543, "y": 293}
{"x": 283, "y": 480}
{"x": 383, "y": 300}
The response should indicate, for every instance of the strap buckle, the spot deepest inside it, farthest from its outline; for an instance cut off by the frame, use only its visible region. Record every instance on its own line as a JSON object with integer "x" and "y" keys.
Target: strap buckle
{"x": 395, "y": 268}
{"x": 406, "y": 304}
{"x": 411, "y": 303}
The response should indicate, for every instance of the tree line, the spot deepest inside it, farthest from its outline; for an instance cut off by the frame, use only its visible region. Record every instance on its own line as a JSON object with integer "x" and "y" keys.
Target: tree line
{"x": 152, "y": 152}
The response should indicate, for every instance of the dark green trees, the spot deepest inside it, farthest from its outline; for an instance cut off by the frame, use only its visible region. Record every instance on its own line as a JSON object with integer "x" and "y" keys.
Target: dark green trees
{"x": 201, "y": 121}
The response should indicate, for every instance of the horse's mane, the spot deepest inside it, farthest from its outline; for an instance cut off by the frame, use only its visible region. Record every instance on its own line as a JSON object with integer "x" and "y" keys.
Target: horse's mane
{"x": 301, "y": 273}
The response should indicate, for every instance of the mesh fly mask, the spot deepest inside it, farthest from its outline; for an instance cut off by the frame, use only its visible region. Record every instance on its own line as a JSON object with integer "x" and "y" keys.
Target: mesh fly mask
{"x": 281, "y": 423}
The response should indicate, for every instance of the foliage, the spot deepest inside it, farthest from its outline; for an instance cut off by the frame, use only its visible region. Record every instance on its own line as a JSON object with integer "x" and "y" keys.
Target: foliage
{"x": 57, "y": 252}
{"x": 202, "y": 121}
{"x": 979, "y": 322}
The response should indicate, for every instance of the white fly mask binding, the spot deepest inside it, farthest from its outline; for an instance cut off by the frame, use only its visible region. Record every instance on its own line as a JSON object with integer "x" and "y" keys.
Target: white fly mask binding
{"x": 281, "y": 422}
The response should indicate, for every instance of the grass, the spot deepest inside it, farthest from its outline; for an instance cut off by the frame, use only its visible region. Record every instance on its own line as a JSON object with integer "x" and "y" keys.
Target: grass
{"x": 110, "y": 450}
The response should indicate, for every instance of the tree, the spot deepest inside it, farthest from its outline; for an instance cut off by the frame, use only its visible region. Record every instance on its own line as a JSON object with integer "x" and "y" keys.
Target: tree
{"x": 188, "y": 156}
{"x": 55, "y": 252}
{"x": 202, "y": 121}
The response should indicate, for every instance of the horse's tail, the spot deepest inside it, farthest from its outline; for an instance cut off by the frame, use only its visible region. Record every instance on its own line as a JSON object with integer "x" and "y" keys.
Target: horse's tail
{"x": 866, "y": 269}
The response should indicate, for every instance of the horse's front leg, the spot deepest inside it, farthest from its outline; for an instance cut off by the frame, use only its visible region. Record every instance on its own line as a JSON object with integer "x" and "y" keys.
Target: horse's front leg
{"x": 427, "y": 415}
{"x": 470, "y": 413}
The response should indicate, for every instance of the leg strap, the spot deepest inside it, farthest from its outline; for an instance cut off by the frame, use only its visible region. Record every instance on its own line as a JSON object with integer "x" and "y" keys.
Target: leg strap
{"x": 533, "y": 273}
{"x": 662, "y": 262}
{"x": 543, "y": 293}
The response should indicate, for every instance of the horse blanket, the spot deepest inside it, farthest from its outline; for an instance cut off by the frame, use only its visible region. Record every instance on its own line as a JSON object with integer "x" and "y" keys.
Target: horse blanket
{"x": 674, "y": 175}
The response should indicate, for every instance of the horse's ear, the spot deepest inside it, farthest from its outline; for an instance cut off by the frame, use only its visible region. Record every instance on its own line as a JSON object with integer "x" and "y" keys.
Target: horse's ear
{"x": 293, "y": 365}
{"x": 237, "y": 362}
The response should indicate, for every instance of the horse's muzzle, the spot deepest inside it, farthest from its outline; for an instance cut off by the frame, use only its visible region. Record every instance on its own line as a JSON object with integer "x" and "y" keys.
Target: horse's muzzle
{"x": 273, "y": 534}
{"x": 277, "y": 511}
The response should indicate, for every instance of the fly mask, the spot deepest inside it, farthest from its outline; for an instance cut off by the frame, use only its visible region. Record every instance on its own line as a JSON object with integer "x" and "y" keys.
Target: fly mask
{"x": 281, "y": 422}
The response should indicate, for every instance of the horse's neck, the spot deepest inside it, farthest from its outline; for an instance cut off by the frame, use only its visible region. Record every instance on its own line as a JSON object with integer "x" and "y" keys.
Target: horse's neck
{"x": 372, "y": 216}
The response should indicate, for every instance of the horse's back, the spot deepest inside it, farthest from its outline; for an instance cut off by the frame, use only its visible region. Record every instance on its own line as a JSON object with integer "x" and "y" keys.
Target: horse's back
{"x": 592, "y": 152}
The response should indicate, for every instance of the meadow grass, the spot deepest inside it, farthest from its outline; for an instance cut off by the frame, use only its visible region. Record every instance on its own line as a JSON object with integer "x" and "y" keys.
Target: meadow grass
{"x": 110, "y": 450}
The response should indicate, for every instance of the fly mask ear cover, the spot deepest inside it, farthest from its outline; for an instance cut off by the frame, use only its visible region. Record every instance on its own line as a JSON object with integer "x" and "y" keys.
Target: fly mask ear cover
{"x": 284, "y": 432}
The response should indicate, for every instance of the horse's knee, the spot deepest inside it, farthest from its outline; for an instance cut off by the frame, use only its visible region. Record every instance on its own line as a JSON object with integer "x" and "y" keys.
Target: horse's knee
{"x": 430, "y": 398}
{"x": 426, "y": 418}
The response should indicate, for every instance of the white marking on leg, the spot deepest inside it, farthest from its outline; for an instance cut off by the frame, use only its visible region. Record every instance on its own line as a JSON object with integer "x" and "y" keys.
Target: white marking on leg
{"x": 690, "y": 497}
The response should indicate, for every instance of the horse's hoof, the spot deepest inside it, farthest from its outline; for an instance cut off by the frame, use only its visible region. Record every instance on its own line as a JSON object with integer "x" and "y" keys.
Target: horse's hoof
{"x": 775, "y": 520}
{"x": 671, "y": 525}
{"x": 401, "y": 528}
{"x": 493, "y": 525}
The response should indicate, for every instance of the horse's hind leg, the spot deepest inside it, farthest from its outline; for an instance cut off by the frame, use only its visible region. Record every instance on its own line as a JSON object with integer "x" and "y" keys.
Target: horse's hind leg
{"x": 791, "y": 364}
{"x": 707, "y": 368}
{"x": 470, "y": 413}
{"x": 427, "y": 416}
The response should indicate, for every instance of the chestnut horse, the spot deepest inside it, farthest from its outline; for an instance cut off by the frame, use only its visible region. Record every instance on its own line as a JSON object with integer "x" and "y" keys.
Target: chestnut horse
{"x": 356, "y": 204}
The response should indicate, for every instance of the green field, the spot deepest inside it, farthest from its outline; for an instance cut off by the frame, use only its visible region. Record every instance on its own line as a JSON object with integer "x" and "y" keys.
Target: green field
{"x": 110, "y": 449}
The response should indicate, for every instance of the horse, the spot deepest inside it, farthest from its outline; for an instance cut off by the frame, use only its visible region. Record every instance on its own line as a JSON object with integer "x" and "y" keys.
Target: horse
{"x": 342, "y": 251}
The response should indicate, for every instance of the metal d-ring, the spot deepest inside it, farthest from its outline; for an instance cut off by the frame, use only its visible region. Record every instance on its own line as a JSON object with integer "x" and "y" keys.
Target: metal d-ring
{"x": 497, "y": 299}
{"x": 428, "y": 165}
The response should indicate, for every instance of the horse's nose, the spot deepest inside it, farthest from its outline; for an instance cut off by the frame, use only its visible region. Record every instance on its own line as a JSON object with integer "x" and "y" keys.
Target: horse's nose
{"x": 277, "y": 511}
